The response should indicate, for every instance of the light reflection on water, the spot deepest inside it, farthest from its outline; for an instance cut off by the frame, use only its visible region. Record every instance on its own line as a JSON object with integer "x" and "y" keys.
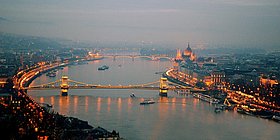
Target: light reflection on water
{"x": 175, "y": 117}
{"x": 168, "y": 115}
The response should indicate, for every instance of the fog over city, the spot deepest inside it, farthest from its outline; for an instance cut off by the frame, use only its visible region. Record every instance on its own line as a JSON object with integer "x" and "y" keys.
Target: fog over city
{"x": 237, "y": 22}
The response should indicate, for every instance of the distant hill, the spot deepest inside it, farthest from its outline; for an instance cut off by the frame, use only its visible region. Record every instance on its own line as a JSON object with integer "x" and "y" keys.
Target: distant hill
{"x": 228, "y": 50}
{"x": 13, "y": 41}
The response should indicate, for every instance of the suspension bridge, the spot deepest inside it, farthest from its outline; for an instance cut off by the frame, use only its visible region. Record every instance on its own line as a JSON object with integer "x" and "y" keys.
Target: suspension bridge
{"x": 65, "y": 83}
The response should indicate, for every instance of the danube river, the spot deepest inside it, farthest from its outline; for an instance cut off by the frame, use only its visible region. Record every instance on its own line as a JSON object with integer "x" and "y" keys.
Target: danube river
{"x": 175, "y": 117}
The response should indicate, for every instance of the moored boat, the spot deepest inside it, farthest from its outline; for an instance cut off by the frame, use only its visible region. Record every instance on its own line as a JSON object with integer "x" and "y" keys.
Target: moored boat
{"x": 206, "y": 98}
{"x": 265, "y": 114}
{"x": 218, "y": 109}
{"x": 243, "y": 110}
{"x": 276, "y": 118}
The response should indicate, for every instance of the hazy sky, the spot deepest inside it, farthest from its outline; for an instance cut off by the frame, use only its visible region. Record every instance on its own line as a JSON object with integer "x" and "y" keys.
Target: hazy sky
{"x": 175, "y": 21}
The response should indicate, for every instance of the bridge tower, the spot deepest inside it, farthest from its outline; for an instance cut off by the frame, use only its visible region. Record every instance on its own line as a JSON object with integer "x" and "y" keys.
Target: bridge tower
{"x": 163, "y": 87}
{"x": 64, "y": 86}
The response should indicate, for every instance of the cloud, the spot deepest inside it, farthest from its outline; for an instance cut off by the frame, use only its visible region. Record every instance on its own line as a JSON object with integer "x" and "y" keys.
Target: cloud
{"x": 3, "y": 19}
{"x": 144, "y": 11}
{"x": 250, "y": 2}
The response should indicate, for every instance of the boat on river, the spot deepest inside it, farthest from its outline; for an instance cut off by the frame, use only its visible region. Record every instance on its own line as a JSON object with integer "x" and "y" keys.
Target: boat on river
{"x": 220, "y": 108}
{"x": 104, "y": 67}
{"x": 147, "y": 101}
{"x": 206, "y": 98}
{"x": 51, "y": 74}
{"x": 132, "y": 95}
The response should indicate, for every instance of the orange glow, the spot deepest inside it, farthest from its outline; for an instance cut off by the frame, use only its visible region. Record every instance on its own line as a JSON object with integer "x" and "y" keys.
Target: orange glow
{"x": 65, "y": 70}
{"x": 179, "y": 55}
{"x": 60, "y": 102}
{"x": 86, "y": 104}
{"x": 75, "y": 103}
{"x": 195, "y": 101}
{"x": 119, "y": 104}
{"x": 52, "y": 100}
{"x": 109, "y": 104}
{"x": 141, "y": 108}
{"x": 42, "y": 100}
{"x": 98, "y": 104}
{"x": 184, "y": 103}
{"x": 163, "y": 100}
{"x": 129, "y": 102}
{"x": 62, "y": 105}
{"x": 173, "y": 103}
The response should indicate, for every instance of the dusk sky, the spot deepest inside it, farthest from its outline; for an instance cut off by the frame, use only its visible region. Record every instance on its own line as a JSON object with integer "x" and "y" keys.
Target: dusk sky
{"x": 157, "y": 21}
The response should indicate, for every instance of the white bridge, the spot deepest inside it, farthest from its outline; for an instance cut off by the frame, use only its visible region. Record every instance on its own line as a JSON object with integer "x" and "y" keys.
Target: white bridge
{"x": 152, "y": 57}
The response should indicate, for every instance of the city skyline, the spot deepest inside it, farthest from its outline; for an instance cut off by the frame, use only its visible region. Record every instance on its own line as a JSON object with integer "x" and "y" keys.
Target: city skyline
{"x": 154, "y": 21}
{"x": 145, "y": 95}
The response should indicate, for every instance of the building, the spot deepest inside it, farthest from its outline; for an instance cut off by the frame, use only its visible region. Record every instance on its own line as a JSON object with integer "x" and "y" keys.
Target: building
{"x": 188, "y": 54}
{"x": 268, "y": 81}
{"x": 178, "y": 57}
{"x": 218, "y": 78}
{"x": 3, "y": 81}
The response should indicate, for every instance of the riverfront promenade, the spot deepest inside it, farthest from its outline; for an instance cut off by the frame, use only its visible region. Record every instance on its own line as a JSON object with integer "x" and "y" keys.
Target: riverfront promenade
{"x": 242, "y": 102}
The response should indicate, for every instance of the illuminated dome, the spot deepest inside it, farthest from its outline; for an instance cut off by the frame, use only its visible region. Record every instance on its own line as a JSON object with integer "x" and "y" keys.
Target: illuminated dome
{"x": 188, "y": 51}
{"x": 188, "y": 54}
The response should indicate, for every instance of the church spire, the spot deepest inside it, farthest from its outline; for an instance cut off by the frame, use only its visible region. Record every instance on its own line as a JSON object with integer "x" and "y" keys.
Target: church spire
{"x": 178, "y": 55}
{"x": 189, "y": 48}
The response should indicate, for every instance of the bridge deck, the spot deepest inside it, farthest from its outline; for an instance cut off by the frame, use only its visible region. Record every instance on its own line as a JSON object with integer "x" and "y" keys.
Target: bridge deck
{"x": 104, "y": 87}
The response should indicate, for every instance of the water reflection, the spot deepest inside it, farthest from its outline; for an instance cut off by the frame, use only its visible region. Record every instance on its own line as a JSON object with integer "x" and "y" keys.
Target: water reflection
{"x": 163, "y": 100}
{"x": 65, "y": 71}
{"x": 184, "y": 102}
{"x": 129, "y": 105}
{"x": 166, "y": 113}
{"x": 108, "y": 104}
{"x": 63, "y": 104}
{"x": 195, "y": 102}
{"x": 75, "y": 104}
{"x": 86, "y": 104}
{"x": 163, "y": 114}
{"x": 60, "y": 105}
{"x": 52, "y": 100}
{"x": 173, "y": 100}
{"x": 119, "y": 104}
{"x": 99, "y": 104}
{"x": 42, "y": 100}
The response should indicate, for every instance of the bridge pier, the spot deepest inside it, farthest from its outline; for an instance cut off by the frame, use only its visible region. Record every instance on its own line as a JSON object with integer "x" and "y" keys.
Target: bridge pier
{"x": 64, "y": 86}
{"x": 163, "y": 87}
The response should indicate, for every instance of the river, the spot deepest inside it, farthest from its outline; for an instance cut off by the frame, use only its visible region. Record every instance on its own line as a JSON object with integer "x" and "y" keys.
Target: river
{"x": 174, "y": 117}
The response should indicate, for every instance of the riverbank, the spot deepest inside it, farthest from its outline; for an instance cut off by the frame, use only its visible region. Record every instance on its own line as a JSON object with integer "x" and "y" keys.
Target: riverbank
{"x": 259, "y": 111}
{"x": 26, "y": 119}
{"x": 174, "y": 80}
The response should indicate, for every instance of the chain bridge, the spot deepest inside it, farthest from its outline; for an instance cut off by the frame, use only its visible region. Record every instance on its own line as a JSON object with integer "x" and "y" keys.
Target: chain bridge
{"x": 65, "y": 83}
